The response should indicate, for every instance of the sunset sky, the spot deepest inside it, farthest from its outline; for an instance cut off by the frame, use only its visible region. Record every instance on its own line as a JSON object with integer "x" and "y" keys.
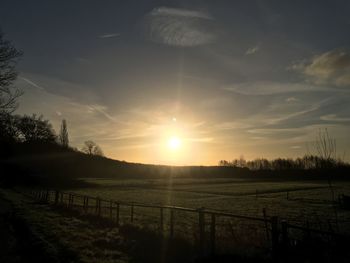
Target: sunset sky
{"x": 186, "y": 82}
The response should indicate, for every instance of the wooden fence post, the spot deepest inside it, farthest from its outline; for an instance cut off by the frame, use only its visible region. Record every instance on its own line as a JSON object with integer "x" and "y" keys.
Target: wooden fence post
{"x": 72, "y": 202}
{"x": 87, "y": 204}
{"x": 84, "y": 205}
{"x": 201, "y": 223}
{"x": 117, "y": 216}
{"x": 266, "y": 224}
{"x": 47, "y": 197}
{"x": 285, "y": 239}
{"x": 110, "y": 209}
{"x": 161, "y": 226}
{"x": 96, "y": 205}
{"x": 274, "y": 237}
{"x": 132, "y": 213}
{"x": 308, "y": 232}
{"x": 212, "y": 233}
{"x": 171, "y": 223}
{"x": 99, "y": 207}
{"x": 56, "y": 197}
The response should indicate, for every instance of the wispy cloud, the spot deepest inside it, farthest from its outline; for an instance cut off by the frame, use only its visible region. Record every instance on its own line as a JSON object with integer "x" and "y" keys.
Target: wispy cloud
{"x": 270, "y": 87}
{"x": 73, "y": 90}
{"x": 332, "y": 67}
{"x": 180, "y": 12}
{"x": 291, "y": 99}
{"x": 252, "y": 50}
{"x": 110, "y": 35}
{"x": 102, "y": 110}
{"x": 335, "y": 118}
{"x": 296, "y": 147}
{"x": 292, "y": 115}
{"x": 311, "y": 128}
{"x": 32, "y": 83}
{"x": 234, "y": 125}
{"x": 179, "y": 27}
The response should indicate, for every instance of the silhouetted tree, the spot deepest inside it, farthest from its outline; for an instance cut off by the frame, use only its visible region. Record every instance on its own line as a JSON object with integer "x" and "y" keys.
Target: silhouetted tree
{"x": 326, "y": 149}
{"x": 92, "y": 148}
{"x": 224, "y": 163}
{"x": 8, "y": 129}
{"x": 305, "y": 163}
{"x": 35, "y": 129}
{"x": 8, "y": 94}
{"x": 63, "y": 137}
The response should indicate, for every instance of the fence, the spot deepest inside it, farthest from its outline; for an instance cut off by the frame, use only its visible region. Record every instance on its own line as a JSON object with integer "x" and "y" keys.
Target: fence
{"x": 209, "y": 230}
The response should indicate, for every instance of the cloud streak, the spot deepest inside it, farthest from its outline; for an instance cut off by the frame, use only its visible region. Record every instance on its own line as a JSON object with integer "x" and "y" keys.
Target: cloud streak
{"x": 32, "y": 83}
{"x": 334, "y": 118}
{"x": 110, "y": 35}
{"x": 179, "y": 27}
{"x": 270, "y": 87}
{"x": 179, "y": 13}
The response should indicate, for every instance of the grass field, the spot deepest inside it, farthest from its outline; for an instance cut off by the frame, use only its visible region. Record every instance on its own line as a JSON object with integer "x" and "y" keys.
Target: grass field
{"x": 70, "y": 231}
{"x": 307, "y": 200}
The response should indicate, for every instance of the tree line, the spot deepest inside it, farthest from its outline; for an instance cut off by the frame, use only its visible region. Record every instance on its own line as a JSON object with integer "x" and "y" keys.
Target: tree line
{"x": 308, "y": 161}
{"x": 324, "y": 156}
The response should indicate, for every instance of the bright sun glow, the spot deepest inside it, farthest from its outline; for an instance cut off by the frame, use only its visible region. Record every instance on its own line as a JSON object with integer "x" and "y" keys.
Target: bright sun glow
{"x": 174, "y": 143}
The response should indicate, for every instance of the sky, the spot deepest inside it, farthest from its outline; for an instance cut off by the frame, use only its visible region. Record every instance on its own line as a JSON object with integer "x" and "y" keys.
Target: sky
{"x": 186, "y": 82}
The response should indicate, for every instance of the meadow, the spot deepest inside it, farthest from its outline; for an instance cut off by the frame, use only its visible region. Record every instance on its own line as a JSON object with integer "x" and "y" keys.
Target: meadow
{"x": 298, "y": 202}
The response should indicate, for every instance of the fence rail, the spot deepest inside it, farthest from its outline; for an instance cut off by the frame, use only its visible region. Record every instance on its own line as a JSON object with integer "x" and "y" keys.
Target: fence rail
{"x": 210, "y": 230}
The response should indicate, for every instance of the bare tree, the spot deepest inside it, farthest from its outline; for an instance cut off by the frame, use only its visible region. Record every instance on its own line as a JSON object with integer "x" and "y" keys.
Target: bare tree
{"x": 326, "y": 146}
{"x": 326, "y": 149}
{"x": 63, "y": 137}
{"x": 8, "y": 59}
{"x": 92, "y": 148}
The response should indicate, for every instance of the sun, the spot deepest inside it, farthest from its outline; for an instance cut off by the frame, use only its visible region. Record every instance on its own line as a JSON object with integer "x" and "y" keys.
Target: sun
{"x": 174, "y": 143}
